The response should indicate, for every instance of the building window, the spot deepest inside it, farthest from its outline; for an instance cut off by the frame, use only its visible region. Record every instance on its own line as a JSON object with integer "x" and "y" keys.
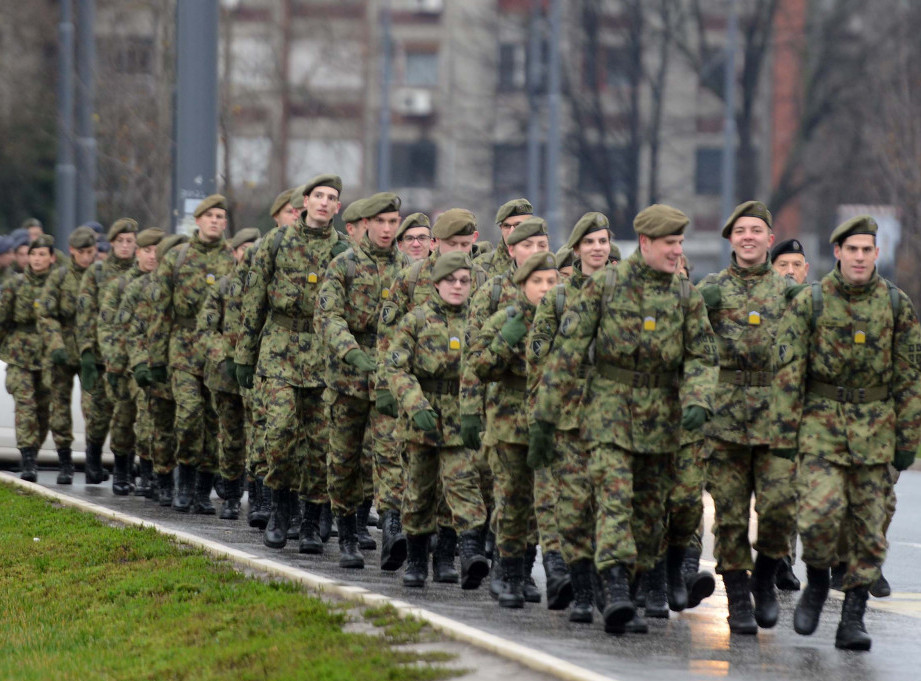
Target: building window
{"x": 310, "y": 157}
{"x": 421, "y": 69}
{"x": 618, "y": 67}
{"x": 708, "y": 171}
{"x": 132, "y": 55}
{"x": 511, "y": 67}
{"x": 510, "y": 169}
{"x": 413, "y": 164}
{"x": 249, "y": 161}
{"x": 602, "y": 173}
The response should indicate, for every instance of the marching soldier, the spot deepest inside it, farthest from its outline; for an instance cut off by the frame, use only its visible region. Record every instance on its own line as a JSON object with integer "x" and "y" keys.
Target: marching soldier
{"x": 508, "y": 217}
{"x": 414, "y": 237}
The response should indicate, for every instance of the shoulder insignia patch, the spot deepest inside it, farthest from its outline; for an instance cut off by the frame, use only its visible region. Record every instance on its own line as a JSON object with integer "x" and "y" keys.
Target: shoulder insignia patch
{"x": 568, "y": 323}
{"x": 389, "y": 314}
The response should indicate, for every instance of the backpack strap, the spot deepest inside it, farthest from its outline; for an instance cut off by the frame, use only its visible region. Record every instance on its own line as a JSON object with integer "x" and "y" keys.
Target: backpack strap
{"x": 413, "y": 278}
{"x": 559, "y": 304}
{"x": 818, "y": 303}
{"x": 607, "y": 289}
{"x": 180, "y": 259}
{"x": 495, "y": 295}
{"x": 350, "y": 267}
{"x": 97, "y": 273}
{"x": 420, "y": 316}
{"x": 685, "y": 292}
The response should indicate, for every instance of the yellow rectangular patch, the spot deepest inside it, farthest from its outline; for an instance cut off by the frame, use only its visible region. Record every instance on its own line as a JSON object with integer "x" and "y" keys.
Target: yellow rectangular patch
{"x": 312, "y": 278}
{"x": 385, "y": 293}
{"x": 860, "y": 337}
{"x": 754, "y": 318}
{"x": 649, "y": 324}
{"x": 454, "y": 343}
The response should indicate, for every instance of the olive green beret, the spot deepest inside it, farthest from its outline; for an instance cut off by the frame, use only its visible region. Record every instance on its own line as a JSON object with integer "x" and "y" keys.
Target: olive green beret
{"x": 660, "y": 220}
{"x": 564, "y": 257}
{"x": 150, "y": 237}
{"x": 325, "y": 180}
{"x": 862, "y": 224}
{"x": 168, "y": 242}
{"x": 30, "y": 222}
{"x": 449, "y": 263}
{"x": 353, "y": 211}
{"x": 752, "y": 209}
{"x": 206, "y": 204}
{"x": 588, "y": 223}
{"x": 280, "y": 202}
{"x": 533, "y": 226}
{"x": 382, "y": 202}
{"x": 82, "y": 237}
{"x": 615, "y": 253}
{"x": 414, "y": 220}
{"x": 122, "y": 226}
{"x": 481, "y": 247}
{"x": 244, "y": 236}
{"x": 537, "y": 261}
{"x": 44, "y": 241}
{"x": 454, "y": 222}
{"x": 513, "y": 207}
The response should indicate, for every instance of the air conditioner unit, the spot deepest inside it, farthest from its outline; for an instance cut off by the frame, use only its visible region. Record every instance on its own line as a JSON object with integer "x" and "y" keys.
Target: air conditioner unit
{"x": 425, "y": 6}
{"x": 412, "y": 102}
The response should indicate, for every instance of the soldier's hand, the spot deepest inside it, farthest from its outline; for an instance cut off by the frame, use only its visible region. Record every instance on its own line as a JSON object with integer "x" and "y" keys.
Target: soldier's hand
{"x": 791, "y": 291}
{"x": 59, "y": 357}
{"x": 89, "y": 374}
{"x": 788, "y": 453}
{"x": 903, "y": 459}
{"x": 426, "y": 419}
{"x": 693, "y": 417}
{"x": 245, "y": 374}
{"x": 514, "y": 329}
{"x": 360, "y": 360}
{"x": 230, "y": 369}
{"x": 386, "y": 404}
{"x": 711, "y": 295}
{"x": 471, "y": 427}
{"x": 142, "y": 375}
{"x": 158, "y": 375}
{"x": 540, "y": 444}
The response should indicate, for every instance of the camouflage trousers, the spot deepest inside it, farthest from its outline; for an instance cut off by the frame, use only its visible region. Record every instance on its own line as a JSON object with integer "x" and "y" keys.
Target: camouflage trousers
{"x": 575, "y": 507}
{"x": 546, "y": 497}
{"x": 425, "y": 467}
{"x": 846, "y": 530}
{"x": 685, "y": 506}
{"x": 351, "y": 446}
{"x": 630, "y": 494}
{"x": 195, "y": 423}
{"x": 389, "y": 457}
{"x": 162, "y": 410}
{"x": 97, "y": 412}
{"x": 124, "y": 414}
{"x": 60, "y": 380}
{"x": 734, "y": 473}
{"x": 515, "y": 522}
{"x": 255, "y": 453}
{"x": 853, "y": 497}
{"x": 143, "y": 426}
{"x": 32, "y": 402}
{"x": 486, "y": 479}
{"x": 231, "y": 436}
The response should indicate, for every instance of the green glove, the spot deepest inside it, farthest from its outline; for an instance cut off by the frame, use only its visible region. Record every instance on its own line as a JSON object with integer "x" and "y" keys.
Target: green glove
{"x": 471, "y": 427}
{"x": 426, "y": 419}
{"x": 142, "y": 375}
{"x": 59, "y": 357}
{"x": 791, "y": 291}
{"x": 693, "y": 418}
{"x": 88, "y": 371}
{"x": 360, "y": 360}
{"x": 540, "y": 444}
{"x": 386, "y": 403}
{"x": 230, "y": 369}
{"x": 244, "y": 374}
{"x": 158, "y": 375}
{"x": 514, "y": 329}
{"x": 712, "y": 295}
{"x": 903, "y": 459}
{"x": 787, "y": 453}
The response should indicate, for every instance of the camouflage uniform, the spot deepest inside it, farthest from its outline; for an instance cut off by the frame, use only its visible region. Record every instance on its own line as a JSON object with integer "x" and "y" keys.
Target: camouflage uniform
{"x": 495, "y": 262}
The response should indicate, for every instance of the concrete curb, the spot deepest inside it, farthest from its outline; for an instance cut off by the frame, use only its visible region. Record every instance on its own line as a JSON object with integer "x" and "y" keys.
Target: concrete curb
{"x": 527, "y": 657}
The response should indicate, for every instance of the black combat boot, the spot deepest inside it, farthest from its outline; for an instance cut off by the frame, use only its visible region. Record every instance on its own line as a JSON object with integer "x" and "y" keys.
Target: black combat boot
{"x": 326, "y": 522}
{"x": 93, "y": 469}
{"x": 512, "y": 594}
{"x": 257, "y": 515}
{"x": 528, "y": 585}
{"x": 766, "y": 608}
{"x": 233, "y": 492}
{"x": 365, "y": 540}
{"x": 809, "y": 609}
{"x": 66, "y": 473}
{"x": 677, "y": 591}
{"x": 838, "y": 570}
{"x": 165, "y": 489}
{"x": 121, "y": 480}
{"x": 581, "y": 609}
{"x": 185, "y": 488}
{"x": 393, "y": 544}
{"x": 489, "y": 546}
{"x": 656, "y": 592}
{"x": 784, "y": 578}
{"x": 636, "y": 624}
{"x": 145, "y": 484}
{"x": 443, "y": 569}
{"x": 349, "y": 554}
{"x": 29, "y": 464}
{"x": 640, "y": 599}
{"x": 474, "y": 566}
{"x": 374, "y": 520}
{"x": 495, "y": 576}
{"x": 201, "y": 502}
{"x": 276, "y": 531}
{"x": 880, "y": 588}
{"x": 309, "y": 541}
{"x": 700, "y": 583}
{"x": 294, "y": 522}
{"x": 618, "y": 605}
{"x": 559, "y": 582}
{"x": 738, "y": 592}
{"x": 417, "y": 568}
{"x": 852, "y": 634}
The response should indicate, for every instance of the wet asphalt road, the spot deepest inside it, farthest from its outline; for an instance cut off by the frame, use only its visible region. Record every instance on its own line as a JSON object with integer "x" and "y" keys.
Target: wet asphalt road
{"x": 691, "y": 645}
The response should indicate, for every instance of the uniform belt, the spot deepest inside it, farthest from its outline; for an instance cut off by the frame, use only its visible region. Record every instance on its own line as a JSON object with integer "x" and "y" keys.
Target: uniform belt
{"x": 513, "y": 382}
{"x": 841, "y": 393}
{"x": 639, "y": 379}
{"x": 583, "y": 370}
{"x": 295, "y": 324}
{"x": 366, "y": 339}
{"x": 440, "y": 386}
{"x": 30, "y": 326}
{"x": 746, "y": 378}
{"x": 184, "y": 322}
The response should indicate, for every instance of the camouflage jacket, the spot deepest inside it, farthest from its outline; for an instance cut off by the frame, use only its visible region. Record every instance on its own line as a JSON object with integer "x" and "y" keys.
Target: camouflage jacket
{"x": 233, "y": 307}
{"x": 422, "y": 367}
{"x": 130, "y": 315}
{"x": 177, "y": 296}
{"x": 853, "y": 345}
{"x": 21, "y": 342}
{"x": 89, "y": 299}
{"x": 745, "y": 323}
{"x": 278, "y": 305}
{"x": 354, "y": 287}
{"x": 496, "y": 261}
{"x": 110, "y": 327}
{"x": 58, "y": 311}
{"x": 210, "y": 326}
{"x": 655, "y": 353}
{"x": 493, "y": 360}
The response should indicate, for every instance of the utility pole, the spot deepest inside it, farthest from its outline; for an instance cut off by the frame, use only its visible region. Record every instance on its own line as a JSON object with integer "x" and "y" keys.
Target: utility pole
{"x": 532, "y": 83}
{"x": 552, "y": 209}
{"x": 728, "y": 184}
{"x": 86, "y": 96}
{"x": 383, "y": 142}
{"x": 64, "y": 171}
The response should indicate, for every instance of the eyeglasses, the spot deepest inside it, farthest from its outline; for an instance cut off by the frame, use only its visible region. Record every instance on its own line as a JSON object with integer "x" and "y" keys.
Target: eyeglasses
{"x": 451, "y": 280}
{"x": 417, "y": 239}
